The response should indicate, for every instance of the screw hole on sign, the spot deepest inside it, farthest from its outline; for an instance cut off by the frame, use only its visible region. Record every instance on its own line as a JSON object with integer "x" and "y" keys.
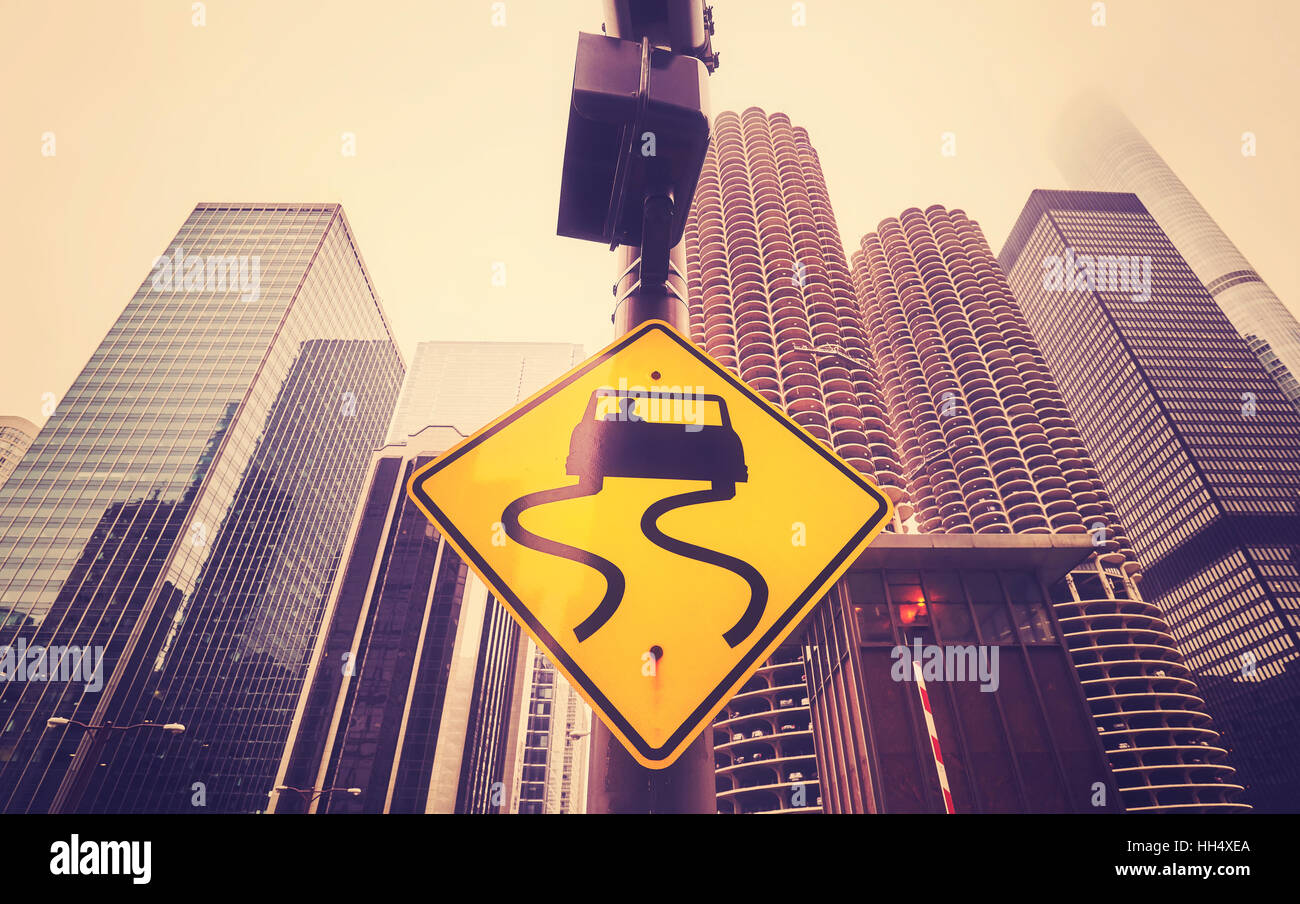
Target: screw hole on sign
{"x": 657, "y": 652}
{"x": 654, "y": 375}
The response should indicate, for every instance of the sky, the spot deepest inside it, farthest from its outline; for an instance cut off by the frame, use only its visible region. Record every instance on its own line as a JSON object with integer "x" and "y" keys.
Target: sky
{"x": 459, "y": 122}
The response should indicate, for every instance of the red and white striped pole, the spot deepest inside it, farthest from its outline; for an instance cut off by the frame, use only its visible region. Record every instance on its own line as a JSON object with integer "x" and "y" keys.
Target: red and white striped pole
{"x": 934, "y": 738}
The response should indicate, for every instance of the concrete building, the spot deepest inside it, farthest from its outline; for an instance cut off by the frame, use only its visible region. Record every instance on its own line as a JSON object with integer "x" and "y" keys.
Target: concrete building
{"x": 772, "y": 299}
{"x": 771, "y": 295}
{"x": 990, "y": 449}
{"x": 763, "y": 746}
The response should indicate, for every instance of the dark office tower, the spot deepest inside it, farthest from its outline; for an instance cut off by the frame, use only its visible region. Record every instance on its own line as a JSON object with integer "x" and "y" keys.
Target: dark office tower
{"x": 182, "y": 511}
{"x": 989, "y": 448}
{"x": 413, "y": 689}
{"x": 771, "y": 296}
{"x": 1198, "y": 446}
{"x": 1098, "y": 149}
{"x": 493, "y": 706}
{"x": 411, "y": 640}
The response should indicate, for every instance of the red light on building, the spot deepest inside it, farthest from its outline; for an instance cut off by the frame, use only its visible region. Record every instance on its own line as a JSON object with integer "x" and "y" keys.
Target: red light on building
{"x": 910, "y": 612}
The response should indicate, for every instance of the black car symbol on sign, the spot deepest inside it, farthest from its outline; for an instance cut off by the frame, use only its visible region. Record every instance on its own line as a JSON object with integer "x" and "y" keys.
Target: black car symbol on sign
{"x": 635, "y": 434}
{"x": 628, "y": 439}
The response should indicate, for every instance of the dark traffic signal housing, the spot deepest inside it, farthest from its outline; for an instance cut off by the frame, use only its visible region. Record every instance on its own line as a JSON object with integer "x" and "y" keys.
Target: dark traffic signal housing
{"x": 638, "y": 129}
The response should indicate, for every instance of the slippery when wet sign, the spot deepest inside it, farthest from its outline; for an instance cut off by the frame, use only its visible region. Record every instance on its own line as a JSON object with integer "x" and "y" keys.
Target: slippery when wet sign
{"x": 656, "y": 526}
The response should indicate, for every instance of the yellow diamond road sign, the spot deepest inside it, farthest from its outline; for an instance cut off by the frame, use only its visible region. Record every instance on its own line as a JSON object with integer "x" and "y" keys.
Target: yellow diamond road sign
{"x": 656, "y": 526}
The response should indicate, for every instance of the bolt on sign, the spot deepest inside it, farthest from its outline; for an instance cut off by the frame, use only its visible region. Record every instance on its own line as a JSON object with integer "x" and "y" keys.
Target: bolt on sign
{"x": 656, "y": 526}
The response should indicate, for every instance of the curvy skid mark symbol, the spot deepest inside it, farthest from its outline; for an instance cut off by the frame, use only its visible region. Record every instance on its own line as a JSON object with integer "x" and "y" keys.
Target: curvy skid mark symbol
{"x": 757, "y": 586}
{"x": 615, "y": 583}
{"x": 630, "y": 442}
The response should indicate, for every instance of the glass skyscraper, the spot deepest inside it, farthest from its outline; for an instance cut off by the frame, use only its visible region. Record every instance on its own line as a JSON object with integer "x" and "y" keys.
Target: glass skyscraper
{"x": 182, "y": 512}
{"x": 1098, "y": 149}
{"x": 1199, "y": 449}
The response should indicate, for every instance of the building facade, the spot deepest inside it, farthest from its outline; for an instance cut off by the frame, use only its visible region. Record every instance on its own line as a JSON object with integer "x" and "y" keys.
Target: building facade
{"x": 1199, "y": 447}
{"x": 411, "y": 678}
{"x": 490, "y": 737}
{"x": 771, "y": 295}
{"x": 771, "y": 298}
{"x": 1098, "y": 149}
{"x": 420, "y": 679}
{"x": 915, "y": 366}
{"x": 553, "y": 755}
{"x": 16, "y": 435}
{"x": 1001, "y": 725}
{"x": 465, "y": 386}
{"x": 990, "y": 448}
{"x": 181, "y": 511}
{"x": 763, "y": 749}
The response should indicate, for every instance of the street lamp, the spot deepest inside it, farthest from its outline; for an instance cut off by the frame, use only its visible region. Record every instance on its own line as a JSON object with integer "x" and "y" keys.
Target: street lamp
{"x": 310, "y": 794}
{"x": 74, "y": 784}
{"x": 169, "y": 727}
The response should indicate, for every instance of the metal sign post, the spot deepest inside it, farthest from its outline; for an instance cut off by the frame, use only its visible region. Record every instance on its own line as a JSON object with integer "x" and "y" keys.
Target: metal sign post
{"x": 651, "y": 285}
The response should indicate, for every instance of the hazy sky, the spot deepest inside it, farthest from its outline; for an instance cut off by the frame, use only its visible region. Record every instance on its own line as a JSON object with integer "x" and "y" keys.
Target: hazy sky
{"x": 459, "y": 131}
